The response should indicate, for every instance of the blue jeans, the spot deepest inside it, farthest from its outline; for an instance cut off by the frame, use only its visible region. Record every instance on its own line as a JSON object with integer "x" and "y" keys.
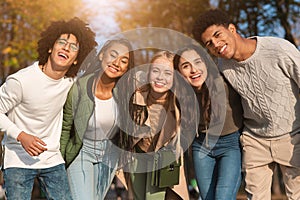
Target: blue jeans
{"x": 53, "y": 181}
{"x": 91, "y": 173}
{"x": 218, "y": 166}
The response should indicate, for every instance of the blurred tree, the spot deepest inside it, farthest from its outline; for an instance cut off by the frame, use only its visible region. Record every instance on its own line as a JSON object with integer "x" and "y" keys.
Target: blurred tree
{"x": 21, "y": 23}
{"x": 177, "y": 15}
{"x": 253, "y": 17}
{"x": 265, "y": 17}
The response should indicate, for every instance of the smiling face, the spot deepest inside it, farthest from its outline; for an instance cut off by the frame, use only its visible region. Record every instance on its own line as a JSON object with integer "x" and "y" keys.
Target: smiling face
{"x": 115, "y": 60}
{"x": 63, "y": 55}
{"x": 220, "y": 41}
{"x": 193, "y": 69}
{"x": 161, "y": 75}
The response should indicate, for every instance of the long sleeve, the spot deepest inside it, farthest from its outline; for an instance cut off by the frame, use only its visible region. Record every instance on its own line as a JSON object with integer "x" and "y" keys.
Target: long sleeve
{"x": 10, "y": 96}
{"x": 291, "y": 64}
{"x": 268, "y": 83}
{"x": 32, "y": 102}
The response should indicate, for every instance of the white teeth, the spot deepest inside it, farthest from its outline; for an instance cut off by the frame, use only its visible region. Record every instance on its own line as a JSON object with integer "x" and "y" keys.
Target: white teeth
{"x": 196, "y": 76}
{"x": 113, "y": 68}
{"x": 223, "y": 48}
{"x": 63, "y": 55}
{"x": 158, "y": 83}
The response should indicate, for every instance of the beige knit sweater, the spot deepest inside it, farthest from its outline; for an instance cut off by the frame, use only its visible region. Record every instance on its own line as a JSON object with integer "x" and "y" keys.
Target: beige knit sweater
{"x": 268, "y": 83}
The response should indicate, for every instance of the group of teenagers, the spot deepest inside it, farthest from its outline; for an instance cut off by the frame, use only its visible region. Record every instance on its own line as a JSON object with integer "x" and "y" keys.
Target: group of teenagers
{"x": 76, "y": 133}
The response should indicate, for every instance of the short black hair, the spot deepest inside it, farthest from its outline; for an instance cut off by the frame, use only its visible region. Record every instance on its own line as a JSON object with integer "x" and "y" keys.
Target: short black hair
{"x": 207, "y": 19}
{"x": 84, "y": 35}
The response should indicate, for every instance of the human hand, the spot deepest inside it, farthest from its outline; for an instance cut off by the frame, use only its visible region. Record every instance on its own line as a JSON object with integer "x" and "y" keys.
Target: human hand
{"x": 32, "y": 144}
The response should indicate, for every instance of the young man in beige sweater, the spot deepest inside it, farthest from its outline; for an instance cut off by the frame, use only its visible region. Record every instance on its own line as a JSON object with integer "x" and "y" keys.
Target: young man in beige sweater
{"x": 265, "y": 71}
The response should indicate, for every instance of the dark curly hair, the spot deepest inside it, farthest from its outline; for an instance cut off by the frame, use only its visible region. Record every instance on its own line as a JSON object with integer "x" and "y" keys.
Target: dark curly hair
{"x": 207, "y": 19}
{"x": 85, "y": 37}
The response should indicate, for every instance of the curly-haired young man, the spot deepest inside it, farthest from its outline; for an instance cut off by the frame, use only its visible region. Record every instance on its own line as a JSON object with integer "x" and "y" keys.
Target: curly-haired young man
{"x": 31, "y": 102}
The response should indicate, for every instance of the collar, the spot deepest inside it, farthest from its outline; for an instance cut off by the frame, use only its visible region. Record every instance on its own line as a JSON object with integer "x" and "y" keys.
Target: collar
{"x": 140, "y": 98}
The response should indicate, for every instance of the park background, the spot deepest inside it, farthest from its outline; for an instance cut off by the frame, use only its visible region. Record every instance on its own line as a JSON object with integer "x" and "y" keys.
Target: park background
{"x": 21, "y": 22}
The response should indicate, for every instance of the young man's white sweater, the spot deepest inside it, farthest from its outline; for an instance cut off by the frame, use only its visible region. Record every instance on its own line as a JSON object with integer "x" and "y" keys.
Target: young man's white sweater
{"x": 268, "y": 83}
{"x": 33, "y": 103}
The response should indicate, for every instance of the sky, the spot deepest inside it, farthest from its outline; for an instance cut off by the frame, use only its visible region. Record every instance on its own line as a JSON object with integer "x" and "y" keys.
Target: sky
{"x": 102, "y": 22}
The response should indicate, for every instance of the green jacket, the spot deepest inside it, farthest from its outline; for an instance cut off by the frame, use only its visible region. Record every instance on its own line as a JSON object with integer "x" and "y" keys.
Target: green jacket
{"x": 77, "y": 111}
